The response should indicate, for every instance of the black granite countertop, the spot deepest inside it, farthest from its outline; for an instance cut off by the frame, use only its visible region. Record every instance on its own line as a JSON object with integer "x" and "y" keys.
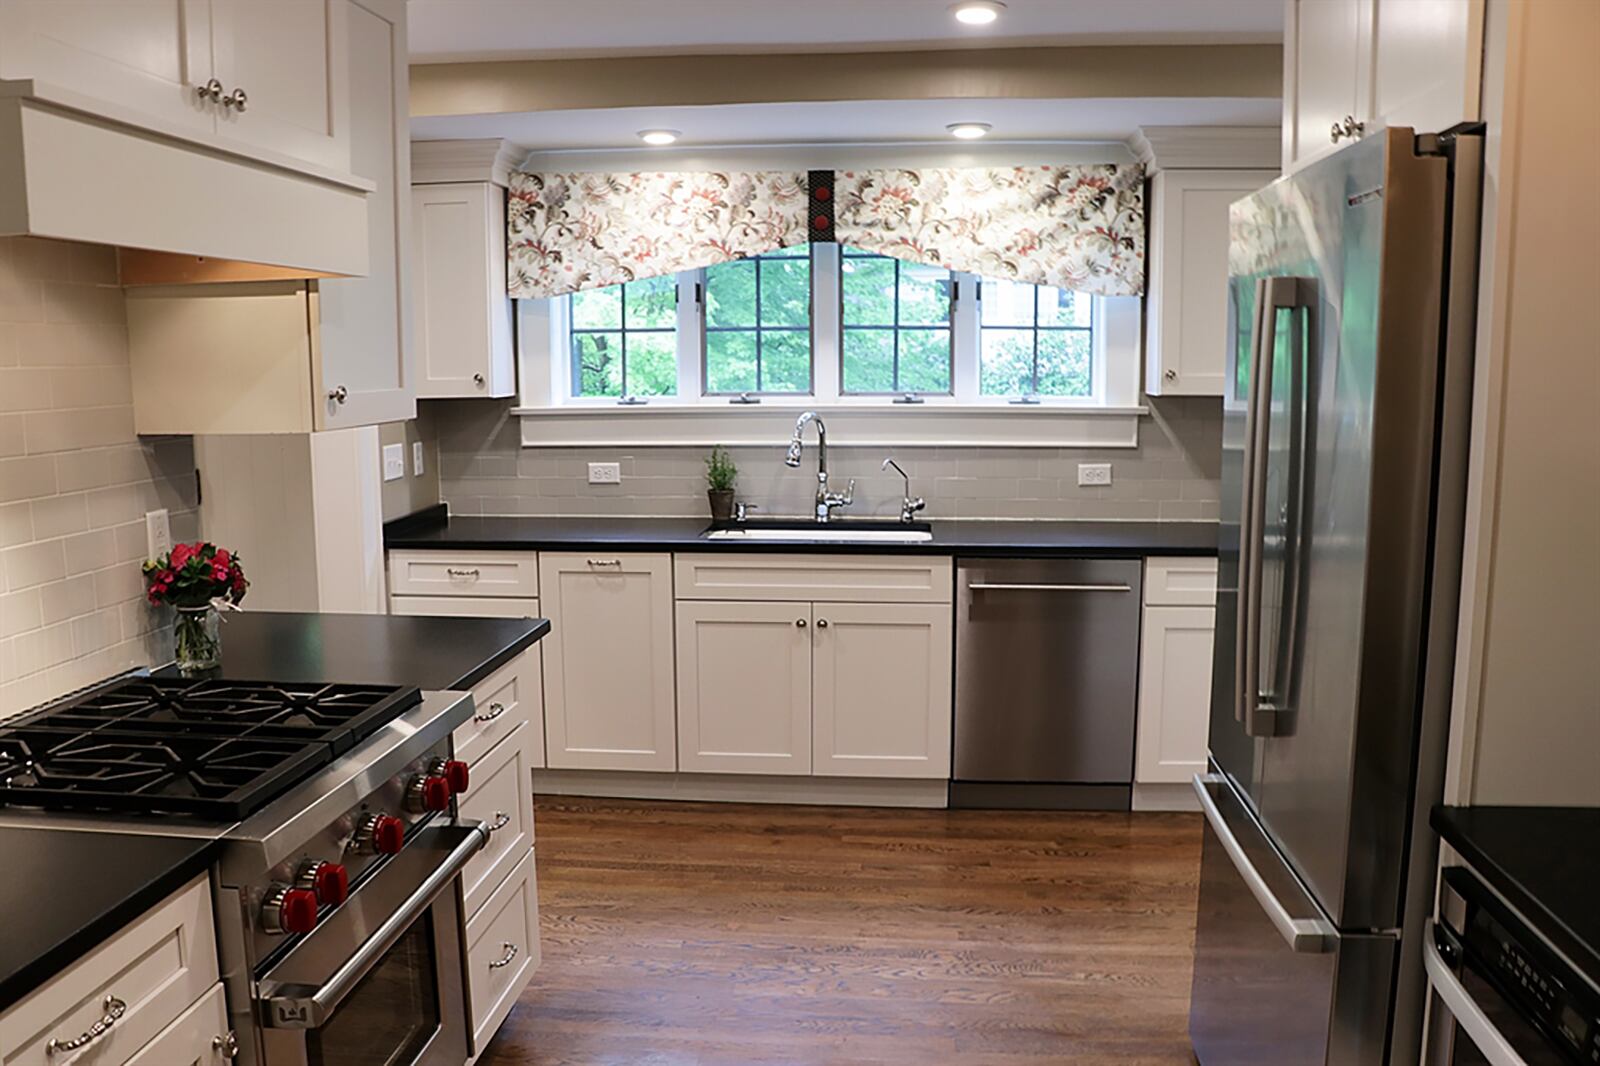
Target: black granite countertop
{"x": 63, "y": 892}
{"x": 1544, "y": 860}
{"x": 433, "y": 528}
{"x": 377, "y": 649}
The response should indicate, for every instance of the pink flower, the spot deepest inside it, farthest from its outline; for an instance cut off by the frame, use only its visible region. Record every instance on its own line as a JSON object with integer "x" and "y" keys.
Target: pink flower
{"x": 222, "y": 557}
{"x": 219, "y": 573}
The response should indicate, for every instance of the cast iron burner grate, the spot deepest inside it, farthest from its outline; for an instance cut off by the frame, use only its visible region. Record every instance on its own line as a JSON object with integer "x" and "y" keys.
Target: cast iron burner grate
{"x": 217, "y": 749}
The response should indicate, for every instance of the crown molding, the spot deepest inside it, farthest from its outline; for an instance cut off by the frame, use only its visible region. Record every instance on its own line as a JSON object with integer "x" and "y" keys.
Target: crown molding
{"x": 488, "y": 159}
{"x": 1208, "y": 147}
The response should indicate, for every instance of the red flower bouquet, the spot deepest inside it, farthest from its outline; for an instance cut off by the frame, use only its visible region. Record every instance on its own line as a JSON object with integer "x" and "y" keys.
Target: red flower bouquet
{"x": 196, "y": 579}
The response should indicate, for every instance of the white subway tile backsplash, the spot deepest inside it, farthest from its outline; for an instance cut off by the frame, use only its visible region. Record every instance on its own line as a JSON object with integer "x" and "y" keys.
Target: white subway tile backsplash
{"x": 57, "y": 516}
{"x": 61, "y": 601}
{"x": 28, "y": 565}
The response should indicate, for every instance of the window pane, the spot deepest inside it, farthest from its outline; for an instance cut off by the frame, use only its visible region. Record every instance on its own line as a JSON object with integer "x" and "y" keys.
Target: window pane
{"x": 786, "y": 292}
{"x": 652, "y": 303}
{"x": 731, "y": 362}
{"x": 1058, "y": 307}
{"x": 1064, "y": 362}
{"x": 731, "y": 294}
{"x": 868, "y": 360}
{"x": 924, "y": 295}
{"x": 652, "y": 364}
{"x": 1006, "y": 303}
{"x": 924, "y": 361}
{"x": 597, "y": 308}
{"x": 1006, "y": 367}
{"x": 868, "y": 292}
{"x": 597, "y": 359}
{"x": 796, "y": 251}
{"x": 786, "y": 361}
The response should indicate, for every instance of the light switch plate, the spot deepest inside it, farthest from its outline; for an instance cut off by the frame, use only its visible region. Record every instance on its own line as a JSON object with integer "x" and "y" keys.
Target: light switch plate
{"x": 416, "y": 458}
{"x": 1094, "y": 473}
{"x": 605, "y": 473}
{"x": 394, "y": 462}
{"x": 157, "y": 533}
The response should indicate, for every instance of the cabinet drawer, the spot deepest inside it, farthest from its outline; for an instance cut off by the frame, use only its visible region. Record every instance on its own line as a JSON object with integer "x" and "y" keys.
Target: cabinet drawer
{"x": 501, "y": 797}
{"x": 504, "y": 700}
{"x": 1180, "y": 582}
{"x": 189, "y": 1041}
{"x": 849, "y": 578}
{"x": 502, "y": 950}
{"x": 156, "y": 967}
{"x": 450, "y": 573}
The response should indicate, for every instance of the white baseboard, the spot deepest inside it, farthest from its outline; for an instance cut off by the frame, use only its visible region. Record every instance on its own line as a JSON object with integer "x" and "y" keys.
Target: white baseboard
{"x": 1165, "y": 798}
{"x": 745, "y": 788}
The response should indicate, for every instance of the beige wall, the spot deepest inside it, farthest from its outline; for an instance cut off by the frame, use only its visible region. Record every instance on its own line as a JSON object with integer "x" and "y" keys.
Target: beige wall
{"x": 74, "y": 480}
{"x": 410, "y": 493}
{"x": 1528, "y": 685}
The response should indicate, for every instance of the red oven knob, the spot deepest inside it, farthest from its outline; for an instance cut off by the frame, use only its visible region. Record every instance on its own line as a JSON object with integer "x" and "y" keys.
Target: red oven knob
{"x": 289, "y": 910}
{"x": 381, "y": 833}
{"x": 329, "y": 880}
{"x": 455, "y": 771}
{"x": 428, "y": 792}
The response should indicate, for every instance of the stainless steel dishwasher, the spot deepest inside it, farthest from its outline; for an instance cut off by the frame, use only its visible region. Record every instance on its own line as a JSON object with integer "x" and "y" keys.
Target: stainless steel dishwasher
{"x": 1047, "y": 680}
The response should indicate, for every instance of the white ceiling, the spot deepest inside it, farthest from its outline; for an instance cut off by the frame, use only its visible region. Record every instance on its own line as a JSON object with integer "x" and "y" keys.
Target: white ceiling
{"x": 445, "y": 30}
{"x": 846, "y": 122}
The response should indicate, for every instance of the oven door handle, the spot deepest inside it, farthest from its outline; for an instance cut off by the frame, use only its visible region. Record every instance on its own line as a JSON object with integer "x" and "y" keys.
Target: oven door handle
{"x": 295, "y": 1006}
{"x": 1495, "y": 1048}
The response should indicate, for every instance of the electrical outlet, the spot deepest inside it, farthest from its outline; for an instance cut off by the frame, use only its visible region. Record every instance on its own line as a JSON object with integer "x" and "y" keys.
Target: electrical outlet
{"x": 394, "y": 462}
{"x": 605, "y": 473}
{"x": 1094, "y": 473}
{"x": 416, "y": 458}
{"x": 157, "y": 533}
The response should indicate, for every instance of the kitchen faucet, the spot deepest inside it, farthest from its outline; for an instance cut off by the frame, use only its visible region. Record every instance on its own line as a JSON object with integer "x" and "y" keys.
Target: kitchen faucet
{"x": 909, "y": 505}
{"x": 826, "y": 501}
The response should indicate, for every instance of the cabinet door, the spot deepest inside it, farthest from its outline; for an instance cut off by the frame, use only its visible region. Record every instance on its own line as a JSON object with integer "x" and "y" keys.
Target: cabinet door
{"x": 1427, "y": 59}
{"x": 463, "y": 313}
{"x": 744, "y": 687}
{"x": 290, "y": 60}
{"x": 194, "y": 1039}
{"x": 608, "y": 661}
{"x": 142, "y": 59}
{"x": 881, "y": 689}
{"x": 1323, "y": 64}
{"x": 363, "y": 359}
{"x": 1188, "y": 299}
{"x": 1174, "y": 694}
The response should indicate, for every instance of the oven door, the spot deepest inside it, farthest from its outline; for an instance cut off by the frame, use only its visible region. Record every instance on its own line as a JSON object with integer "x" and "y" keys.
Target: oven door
{"x": 1470, "y": 1023}
{"x": 379, "y": 983}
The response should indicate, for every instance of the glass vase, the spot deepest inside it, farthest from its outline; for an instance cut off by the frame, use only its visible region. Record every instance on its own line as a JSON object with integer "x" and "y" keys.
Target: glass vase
{"x": 197, "y": 639}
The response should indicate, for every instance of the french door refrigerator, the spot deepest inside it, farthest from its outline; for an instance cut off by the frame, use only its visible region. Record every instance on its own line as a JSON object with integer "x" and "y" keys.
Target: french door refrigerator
{"x": 1351, "y": 290}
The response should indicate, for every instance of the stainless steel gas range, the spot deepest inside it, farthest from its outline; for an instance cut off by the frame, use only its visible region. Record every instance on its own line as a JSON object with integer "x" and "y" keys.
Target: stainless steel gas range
{"x": 337, "y": 887}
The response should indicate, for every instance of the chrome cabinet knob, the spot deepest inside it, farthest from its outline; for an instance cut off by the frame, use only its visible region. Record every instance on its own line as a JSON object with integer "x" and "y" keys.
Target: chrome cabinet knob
{"x": 800, "y": 623}
{"x": 1336, "y": 133}
{"x": 211, "y": 90}
{"x": 822, "y": 623}
{"x": 1170, "y": 375}
{"x": 236, "y": 99}
{"x": 226, "y": 1045}
{"x": 339, "y": 394}
{"x": 477, "y": 379}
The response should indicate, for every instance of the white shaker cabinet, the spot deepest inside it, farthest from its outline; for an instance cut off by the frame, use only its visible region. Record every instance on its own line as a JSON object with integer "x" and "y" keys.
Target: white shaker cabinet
{"x": 608, "y": 661}
{"x": 744, "y": 687}
{"x": 881, "y": 689}
{"x": 1175, "y": 654}
{"x": 1187, "y": 303}
{"x": 464, "y": 345}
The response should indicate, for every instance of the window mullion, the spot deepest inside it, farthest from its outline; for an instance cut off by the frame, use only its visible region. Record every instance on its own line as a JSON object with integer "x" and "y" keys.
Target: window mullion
{"x": 966, "y": 340}
{"x": 690, "y": 335}
{"x": 827, "y": 322}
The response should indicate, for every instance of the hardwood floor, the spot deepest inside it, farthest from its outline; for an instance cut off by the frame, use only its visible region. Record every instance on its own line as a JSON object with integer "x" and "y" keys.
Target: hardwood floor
{"x": 679, "y": 933}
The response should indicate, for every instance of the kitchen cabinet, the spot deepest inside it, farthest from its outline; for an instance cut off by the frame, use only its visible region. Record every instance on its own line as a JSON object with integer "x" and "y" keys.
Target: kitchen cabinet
{"x": 295, "y": 356}
{"x": 608, "y": 661}
{"x": 464, "y": 345}
{"x": 502, "y": 951}
{"x": 1187, "y": 301}
{"x": 1376, "y": 63}
{"x": 198, "y": 1037}
{"x": 881, "y": 696}
{"x": 744, "y": 687}
{"x": 501, "y": 798}
{"x": 1175, "y": 658}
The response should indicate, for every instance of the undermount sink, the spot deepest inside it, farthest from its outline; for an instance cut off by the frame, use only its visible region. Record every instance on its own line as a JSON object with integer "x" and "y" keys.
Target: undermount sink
{"x": 846, "y": 532}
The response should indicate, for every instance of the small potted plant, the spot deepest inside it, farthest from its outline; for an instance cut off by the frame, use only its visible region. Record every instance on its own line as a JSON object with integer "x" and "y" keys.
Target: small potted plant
{"x": 721, "y": 473}
{"x": 196, "y": 579}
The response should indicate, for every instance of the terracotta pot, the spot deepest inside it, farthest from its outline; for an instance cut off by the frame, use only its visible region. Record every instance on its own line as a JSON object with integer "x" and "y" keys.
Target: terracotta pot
{"x": 721, "y": 504}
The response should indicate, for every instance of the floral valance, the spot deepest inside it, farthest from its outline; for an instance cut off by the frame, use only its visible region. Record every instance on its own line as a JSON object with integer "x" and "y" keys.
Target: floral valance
{"x": 1072, "y": 227}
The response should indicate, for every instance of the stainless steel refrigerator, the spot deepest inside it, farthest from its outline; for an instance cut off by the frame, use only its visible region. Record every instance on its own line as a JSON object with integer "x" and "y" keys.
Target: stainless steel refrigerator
{"x": 1351, "y": 291}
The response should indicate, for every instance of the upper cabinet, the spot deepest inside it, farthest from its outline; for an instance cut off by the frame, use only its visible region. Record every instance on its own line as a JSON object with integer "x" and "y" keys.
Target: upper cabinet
{"x": 1353, "y": 66}
{"x": 463, "y": 316}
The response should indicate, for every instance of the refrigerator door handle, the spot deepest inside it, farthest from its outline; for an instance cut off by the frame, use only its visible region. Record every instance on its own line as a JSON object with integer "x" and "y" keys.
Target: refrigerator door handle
{"x": 1306, "y": 936}
{"x": 1495, "y": 1048}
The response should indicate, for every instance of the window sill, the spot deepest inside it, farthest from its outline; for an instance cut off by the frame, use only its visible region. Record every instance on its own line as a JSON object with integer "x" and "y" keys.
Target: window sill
{"x": 868, "y": 424}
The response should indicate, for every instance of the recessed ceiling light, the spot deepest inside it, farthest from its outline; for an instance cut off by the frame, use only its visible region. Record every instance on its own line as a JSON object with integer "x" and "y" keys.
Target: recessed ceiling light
{"x": 977, "y": 12}
{"x": 968, "y": 131}
{"x": 658, "y": 136}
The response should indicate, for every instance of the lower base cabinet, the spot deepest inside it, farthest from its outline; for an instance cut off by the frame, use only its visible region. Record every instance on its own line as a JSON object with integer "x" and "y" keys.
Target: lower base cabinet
{"x": 197, "y": 1038}
{"x": 502, "y": 951}
{"x": 1175, "y": 654}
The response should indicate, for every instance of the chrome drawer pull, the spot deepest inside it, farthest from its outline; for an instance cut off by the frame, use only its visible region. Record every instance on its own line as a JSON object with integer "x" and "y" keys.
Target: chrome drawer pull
{"x": 114, "y": 1009}
{"x": 495, "y": 711}
{"x": 454, "y": 571}
{"x": 501, "y": 820}
{"x": 505, "y": 960}
{"x": 605, "y": 562}
{"x": 227, "y": 1046}
{"x": 1048, "y": 588}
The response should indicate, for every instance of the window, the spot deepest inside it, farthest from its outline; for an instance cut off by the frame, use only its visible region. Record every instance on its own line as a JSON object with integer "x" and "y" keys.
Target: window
{"x": 1034, "y": 341}
{"x": 758, "y": 324}
{"x": 896, "y": 325}
{"x": 623, "y": 339}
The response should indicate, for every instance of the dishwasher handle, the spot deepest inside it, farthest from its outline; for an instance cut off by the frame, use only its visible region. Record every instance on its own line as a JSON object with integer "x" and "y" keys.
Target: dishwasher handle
{"x": 990, "y": 586}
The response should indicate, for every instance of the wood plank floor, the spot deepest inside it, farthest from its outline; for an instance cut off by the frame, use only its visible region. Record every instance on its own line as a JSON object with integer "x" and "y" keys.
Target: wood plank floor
{"x": 720, "y": 934}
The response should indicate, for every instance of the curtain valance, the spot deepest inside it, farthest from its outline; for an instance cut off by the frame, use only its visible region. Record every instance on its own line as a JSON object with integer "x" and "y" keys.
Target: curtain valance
{"x": 1073, "y": 227}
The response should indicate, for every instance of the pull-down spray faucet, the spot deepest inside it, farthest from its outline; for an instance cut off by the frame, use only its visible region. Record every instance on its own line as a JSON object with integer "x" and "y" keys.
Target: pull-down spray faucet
{"x": 826, "y": 500}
